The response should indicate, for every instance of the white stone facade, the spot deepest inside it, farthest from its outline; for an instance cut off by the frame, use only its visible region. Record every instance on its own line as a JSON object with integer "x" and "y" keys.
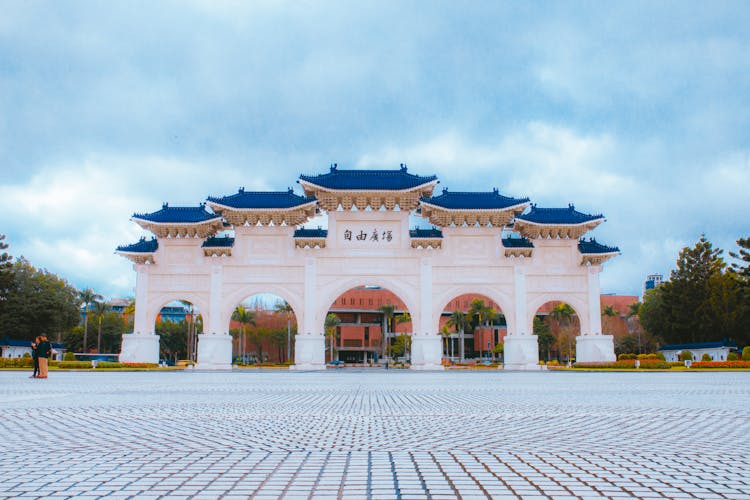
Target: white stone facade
{"x": 265, "y": 259}
{"x": 368, "y": 242}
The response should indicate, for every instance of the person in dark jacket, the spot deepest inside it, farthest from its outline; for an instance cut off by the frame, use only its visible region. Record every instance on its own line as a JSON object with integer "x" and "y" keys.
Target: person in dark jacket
{"x": 43, "y": 351}
{"x": 34, "y": 346}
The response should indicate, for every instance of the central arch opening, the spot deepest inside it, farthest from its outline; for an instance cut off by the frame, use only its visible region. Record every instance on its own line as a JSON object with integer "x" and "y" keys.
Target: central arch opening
{"x": 263, "y": 327}
{"x": 556, "y": 325}
{"x": 368, "y": 325}
{"x": 473, "y": 328}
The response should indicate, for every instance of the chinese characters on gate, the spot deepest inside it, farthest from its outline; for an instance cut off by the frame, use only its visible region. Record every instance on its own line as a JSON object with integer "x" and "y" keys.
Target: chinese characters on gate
{"x": 362, "y": 235}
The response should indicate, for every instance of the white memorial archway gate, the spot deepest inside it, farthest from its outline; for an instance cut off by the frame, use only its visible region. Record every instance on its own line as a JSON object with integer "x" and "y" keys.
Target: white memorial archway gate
{"x": 517, "y": 254}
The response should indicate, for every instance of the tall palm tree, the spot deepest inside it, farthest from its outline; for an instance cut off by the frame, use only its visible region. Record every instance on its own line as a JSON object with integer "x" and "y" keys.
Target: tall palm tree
{"x": 405, "y": 317}
{"x": 244, "y": 317}
{"x": 283, "y": 307}
{"x": 86, "y": 297}
{"x": 459, "y": 321}
{"x": 388, "y": 311}
{"x": 563, "y": 313}
{"x": 609, "y": 312}
{"x": 129, "y": 311}
{"x": 446, "y": 334}
{"x": 100, "y": 308}
{"x": 332, "y": 321}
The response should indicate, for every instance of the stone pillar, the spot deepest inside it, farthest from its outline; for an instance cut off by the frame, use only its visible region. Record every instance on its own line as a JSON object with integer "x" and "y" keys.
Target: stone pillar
{"x": 309, "y": 345}
{"x": 521, "y": 347}
{"x": 425, "y": 344}
{"x": 141, "y": 346}
{"x": 592, "y": 346}
{"x": 215, "y": 346}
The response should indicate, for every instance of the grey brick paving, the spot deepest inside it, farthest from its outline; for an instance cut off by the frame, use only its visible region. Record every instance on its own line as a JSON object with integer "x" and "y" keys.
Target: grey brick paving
{"x": 375, "y": 434}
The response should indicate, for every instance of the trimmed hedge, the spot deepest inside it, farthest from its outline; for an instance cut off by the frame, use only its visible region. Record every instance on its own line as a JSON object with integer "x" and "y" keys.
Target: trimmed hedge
{"x": 720, "y": 364}
{"x": 71, "y": 365}
{"x": 627, "y": 364}
{"x": 114, "y": 364}
{"x": 25, "y": 362}
{"x": 746, "y": 353}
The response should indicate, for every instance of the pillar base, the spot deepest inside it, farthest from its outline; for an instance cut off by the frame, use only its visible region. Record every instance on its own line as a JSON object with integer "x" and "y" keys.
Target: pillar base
{"x": 214, "y": 351}
{"x": 139, "y": 348}
{"x": 595, "y": 348}
{"x": 309, "y": 353}
{"x": 426, "y": 353}
{"x": 521, "y": 352}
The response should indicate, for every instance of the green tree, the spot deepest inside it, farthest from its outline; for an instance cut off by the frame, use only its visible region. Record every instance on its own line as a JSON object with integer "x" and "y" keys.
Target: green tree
{"x": 401, "y": 345}
{"x": 545, "y": 338}
{"x": 87, "y": 297}
{"x": 245, "y": 317}
{"x": 746, "y": 353}
{"x": 285, "y": 308}
{"x": 331, "y": 328}
{"x": 459, "y": 322}
{"x": 6, "y": 264}
{"x": 702, "y": 302}
{"x": 446, "y": 334}
{"x": 100, "y": 308}
{"x": 608, "y": 312}
{"x": 563, "y": 314}
{"x": 742, "y": 268}
{"x": 627, "y": 345}
{"x": 37, "y": 303}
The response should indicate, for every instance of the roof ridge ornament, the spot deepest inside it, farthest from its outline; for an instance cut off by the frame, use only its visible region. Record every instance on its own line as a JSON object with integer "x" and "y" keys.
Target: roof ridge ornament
{"x": 404, "y": 167}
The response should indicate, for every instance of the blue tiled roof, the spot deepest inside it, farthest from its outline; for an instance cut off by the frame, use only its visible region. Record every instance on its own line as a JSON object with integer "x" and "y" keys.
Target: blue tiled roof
{"x": 169, "y": 214}
{"x": 262, "y": 199}
{"x": 141, "y": 246}
{"x": 425, "y": 233}
{"x": 368, "y": 180}
{"x": 592, "y": 246}
{"x": 215, "y": 242}
{"x": 310, "y": 233}
{"x": 521, "y": 242}
{"x": 700, "y": 345}
{"x": 480, "y": 200}
{"x": 27, "y": 343}
{"x": 567, "y": 215}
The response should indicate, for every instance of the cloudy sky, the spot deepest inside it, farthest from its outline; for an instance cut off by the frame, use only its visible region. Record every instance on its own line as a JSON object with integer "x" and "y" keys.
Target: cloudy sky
{"x": 635, "y": 110}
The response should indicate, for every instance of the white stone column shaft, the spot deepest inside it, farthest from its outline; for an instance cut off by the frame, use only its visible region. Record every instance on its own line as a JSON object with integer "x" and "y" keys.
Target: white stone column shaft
{"x": 140, "y": 319}
{"x": 425, "y": 344}
{"x": 309, "y": 344}
{"x": 141, "y": 346}
{"x": 521, "y": 346}
{"x": 595, "y": 308}
{"x": 215, "y": 345}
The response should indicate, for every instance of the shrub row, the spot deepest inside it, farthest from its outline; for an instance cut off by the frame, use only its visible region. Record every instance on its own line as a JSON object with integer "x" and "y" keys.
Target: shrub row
{"x": 25, "y": 362}
{"x": 720, "y": 364}
{"x": 114, "y": 364}
{"x": 627, "y": 364}
{"x": 657, "y": 356}
{"x": 68, "y": 365}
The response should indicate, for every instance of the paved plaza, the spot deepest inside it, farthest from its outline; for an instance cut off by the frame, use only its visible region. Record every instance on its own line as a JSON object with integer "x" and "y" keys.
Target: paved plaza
{"x": 375, "y": 434}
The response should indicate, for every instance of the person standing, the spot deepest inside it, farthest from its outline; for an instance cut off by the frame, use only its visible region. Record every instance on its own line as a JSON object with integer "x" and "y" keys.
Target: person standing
{"x": 34, "y": 356}
{"x": 43, "y": 351}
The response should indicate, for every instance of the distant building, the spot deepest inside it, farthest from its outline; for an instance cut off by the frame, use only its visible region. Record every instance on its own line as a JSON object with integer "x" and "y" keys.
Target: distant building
{"x": 717, "y": 350}
{"x": 652, "y": 281}
{"x": 12, "y": 348}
